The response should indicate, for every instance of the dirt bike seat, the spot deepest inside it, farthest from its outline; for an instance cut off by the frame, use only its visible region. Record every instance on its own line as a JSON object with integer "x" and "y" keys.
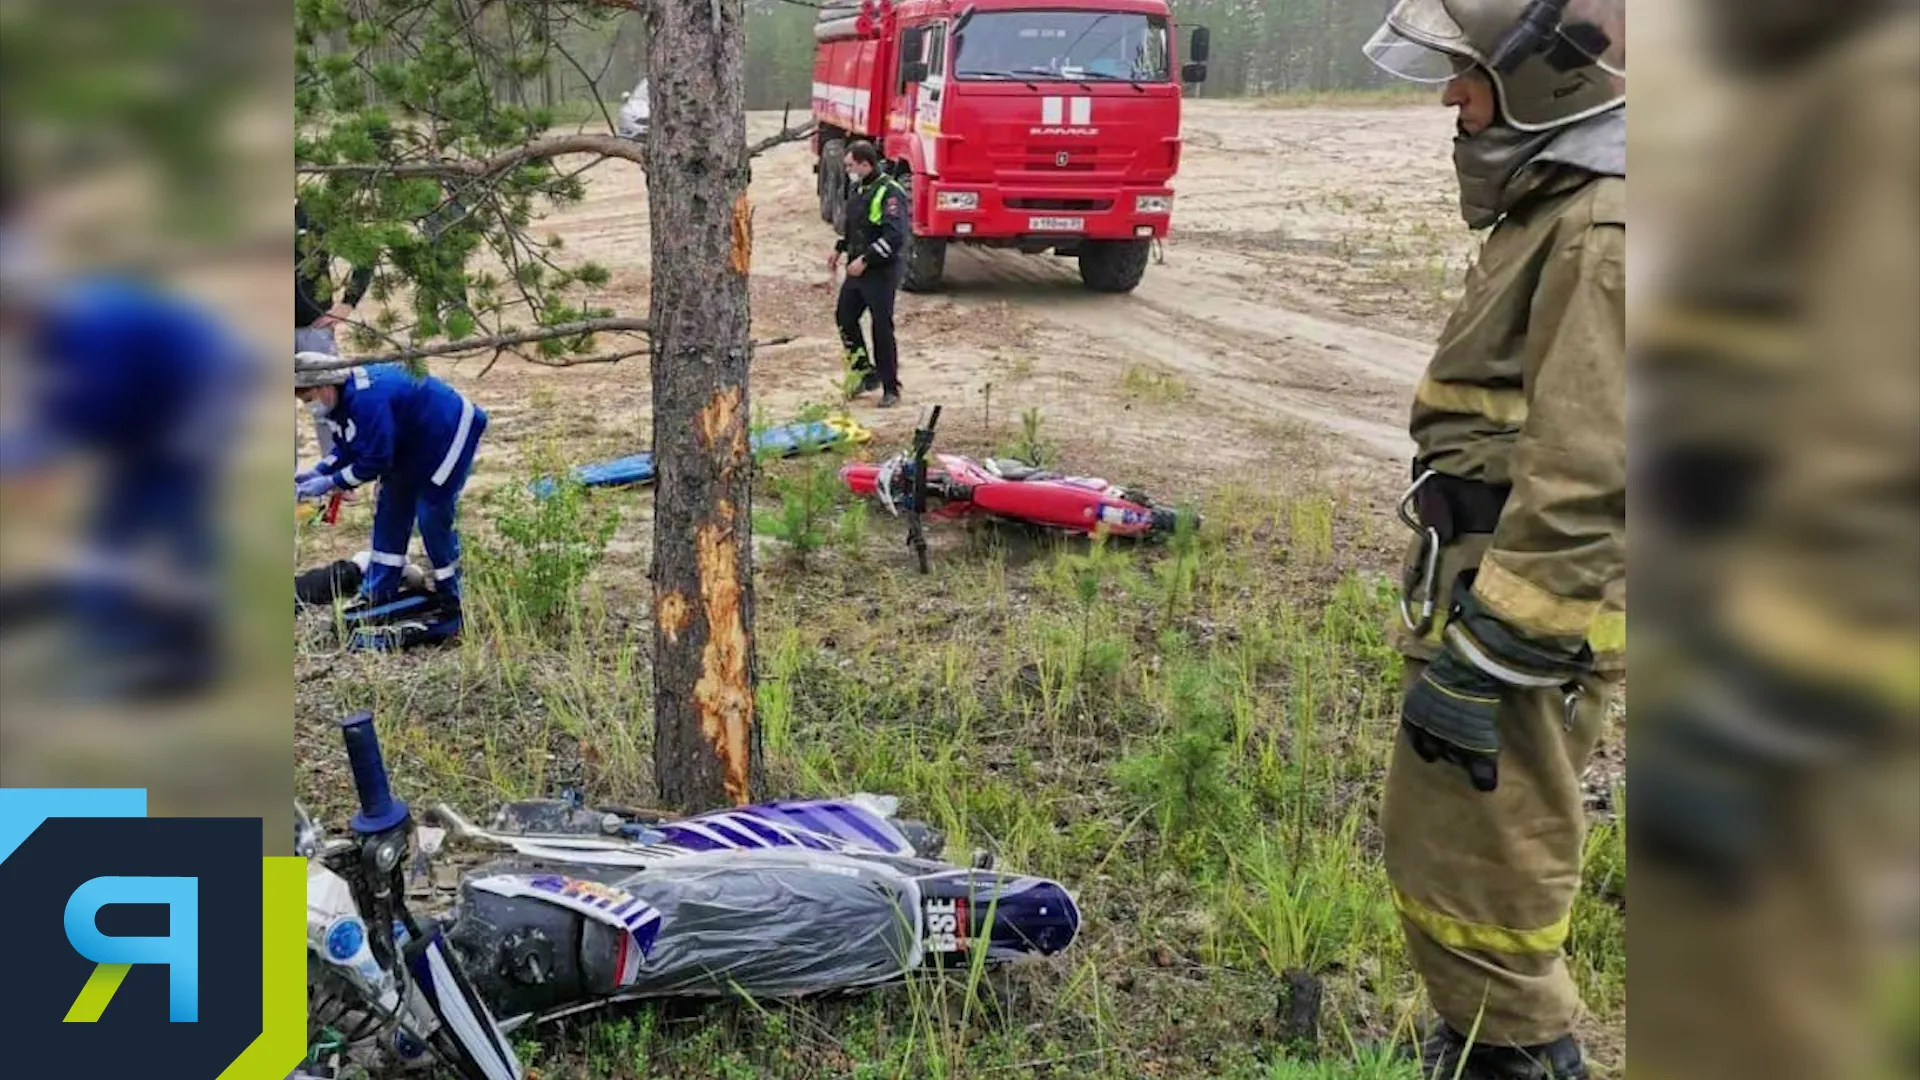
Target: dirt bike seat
{"x": 1015, "y": 470}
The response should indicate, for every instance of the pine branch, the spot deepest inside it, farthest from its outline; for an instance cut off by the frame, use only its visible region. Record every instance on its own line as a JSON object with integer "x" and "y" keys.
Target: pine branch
{"x": 578, "y": 361}
{"x": 787, "y": 134}
{"x": 503, "y": 342}
{"x": 480, "y": 168}
{"x": 612, "y": 146}
{"x": 495, "y": 341}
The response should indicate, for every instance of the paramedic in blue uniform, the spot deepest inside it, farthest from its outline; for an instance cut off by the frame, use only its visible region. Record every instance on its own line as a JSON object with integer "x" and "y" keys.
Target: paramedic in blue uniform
{"x": 151, "y": 387}
{"x": 416, "y": 436}
{"x": 875, "y": 239}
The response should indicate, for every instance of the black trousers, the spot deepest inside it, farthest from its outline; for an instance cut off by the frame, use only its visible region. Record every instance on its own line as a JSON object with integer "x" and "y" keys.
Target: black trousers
{"x": 872, "y": 293}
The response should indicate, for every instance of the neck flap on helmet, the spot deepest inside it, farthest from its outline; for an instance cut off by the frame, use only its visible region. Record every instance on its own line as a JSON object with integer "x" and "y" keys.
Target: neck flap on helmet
{"x": 1501, "y": 168}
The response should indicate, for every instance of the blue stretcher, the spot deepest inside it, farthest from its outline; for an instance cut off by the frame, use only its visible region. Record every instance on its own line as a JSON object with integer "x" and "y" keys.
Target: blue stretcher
{"x": 783, "y": 441}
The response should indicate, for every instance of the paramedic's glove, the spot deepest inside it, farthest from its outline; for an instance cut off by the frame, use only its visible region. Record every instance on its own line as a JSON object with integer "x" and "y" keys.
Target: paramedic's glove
{"x": 305, "y": 475}
{"x": 316, "y": 486}
{"x": 1450, "y": 715}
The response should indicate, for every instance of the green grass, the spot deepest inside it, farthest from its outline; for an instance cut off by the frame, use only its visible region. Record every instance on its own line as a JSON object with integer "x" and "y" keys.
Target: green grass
{"x": 1190, "y": 736}
{"x": 1142, "y": 383}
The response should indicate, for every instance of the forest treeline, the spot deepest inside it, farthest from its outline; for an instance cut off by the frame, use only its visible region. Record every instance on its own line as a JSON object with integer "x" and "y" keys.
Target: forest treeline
{"x": 1260, "y": 47}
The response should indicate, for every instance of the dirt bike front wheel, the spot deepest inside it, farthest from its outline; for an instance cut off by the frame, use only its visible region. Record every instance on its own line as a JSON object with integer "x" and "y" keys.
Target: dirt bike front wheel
{"x": 1166, "y": 521}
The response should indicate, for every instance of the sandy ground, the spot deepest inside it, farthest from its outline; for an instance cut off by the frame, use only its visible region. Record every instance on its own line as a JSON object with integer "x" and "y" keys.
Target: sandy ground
{"x": 1313, "y": 254}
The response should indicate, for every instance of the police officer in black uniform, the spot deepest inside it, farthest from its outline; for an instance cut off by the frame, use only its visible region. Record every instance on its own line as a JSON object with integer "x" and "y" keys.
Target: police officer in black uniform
{"x": 875, "y": 236}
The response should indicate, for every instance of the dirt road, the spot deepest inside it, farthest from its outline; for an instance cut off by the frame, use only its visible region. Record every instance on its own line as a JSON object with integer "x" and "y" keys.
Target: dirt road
{"x": 1314, "y": 253}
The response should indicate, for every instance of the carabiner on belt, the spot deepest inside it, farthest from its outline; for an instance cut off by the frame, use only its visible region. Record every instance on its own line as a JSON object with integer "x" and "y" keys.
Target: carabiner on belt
{"x": 1427, "y": 570}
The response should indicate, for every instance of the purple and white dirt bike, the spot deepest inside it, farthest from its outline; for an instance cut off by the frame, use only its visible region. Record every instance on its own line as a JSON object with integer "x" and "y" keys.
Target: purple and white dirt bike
{"x": 586, "y": 908}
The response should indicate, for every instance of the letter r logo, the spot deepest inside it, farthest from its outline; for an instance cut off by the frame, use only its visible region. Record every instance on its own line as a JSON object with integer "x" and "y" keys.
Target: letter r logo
{"x": 179, "y": 950}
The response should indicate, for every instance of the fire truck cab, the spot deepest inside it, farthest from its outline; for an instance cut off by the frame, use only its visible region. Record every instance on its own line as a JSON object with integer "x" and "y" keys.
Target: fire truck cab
{"x": 1041, "y": 125}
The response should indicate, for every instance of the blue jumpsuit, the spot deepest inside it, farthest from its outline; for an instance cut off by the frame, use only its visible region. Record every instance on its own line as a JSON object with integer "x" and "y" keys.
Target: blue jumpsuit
{"x": 417, "y": 436}
{"x": 154, "y": 386}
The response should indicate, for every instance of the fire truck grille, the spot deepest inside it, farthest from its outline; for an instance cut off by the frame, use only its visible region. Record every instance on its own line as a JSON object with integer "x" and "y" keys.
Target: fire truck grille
{"x": 1089, "y": 205}
{"x": 1062, "y": 159}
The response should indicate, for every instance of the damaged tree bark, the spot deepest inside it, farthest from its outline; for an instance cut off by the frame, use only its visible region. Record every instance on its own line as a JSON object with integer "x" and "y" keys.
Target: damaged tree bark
{"x": 706, "y": 743}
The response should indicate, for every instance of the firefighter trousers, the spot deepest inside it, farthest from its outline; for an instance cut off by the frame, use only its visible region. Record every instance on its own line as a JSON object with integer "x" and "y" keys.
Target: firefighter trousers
{"x": 1485, "y": 881}
{"x": 871, "y": 294}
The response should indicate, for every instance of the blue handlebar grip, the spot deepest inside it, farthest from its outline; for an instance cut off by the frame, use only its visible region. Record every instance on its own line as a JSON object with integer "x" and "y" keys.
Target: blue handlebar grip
{"x": 379, "y": 810}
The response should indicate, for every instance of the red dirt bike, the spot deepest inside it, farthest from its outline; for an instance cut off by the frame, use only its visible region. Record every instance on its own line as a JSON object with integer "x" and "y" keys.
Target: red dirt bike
{"x": 957, "y": 487}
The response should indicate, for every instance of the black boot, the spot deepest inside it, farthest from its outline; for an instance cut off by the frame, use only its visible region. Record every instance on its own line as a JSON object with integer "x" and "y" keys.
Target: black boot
{"x": 436, "y": 623}
{"x": 1442, "y": 1054}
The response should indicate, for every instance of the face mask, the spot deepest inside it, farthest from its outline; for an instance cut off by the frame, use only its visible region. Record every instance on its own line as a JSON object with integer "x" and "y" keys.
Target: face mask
{"x": 319, "y": 409}
{"x": 1487, "y": 163}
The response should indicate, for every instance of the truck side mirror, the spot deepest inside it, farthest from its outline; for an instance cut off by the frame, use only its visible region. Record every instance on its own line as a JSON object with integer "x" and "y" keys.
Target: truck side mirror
{"x": 1193, "y": 74}
{"x": 1200, "y": 47}
{"x": 913, "y": 42}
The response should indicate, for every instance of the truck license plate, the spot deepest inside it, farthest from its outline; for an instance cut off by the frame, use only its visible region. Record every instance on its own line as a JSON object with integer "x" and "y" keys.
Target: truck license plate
{"x": 1056, "y": 224}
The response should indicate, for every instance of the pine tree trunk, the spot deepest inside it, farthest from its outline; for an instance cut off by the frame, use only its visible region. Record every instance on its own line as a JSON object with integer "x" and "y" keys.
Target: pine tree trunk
{"x": 706, "y": 745}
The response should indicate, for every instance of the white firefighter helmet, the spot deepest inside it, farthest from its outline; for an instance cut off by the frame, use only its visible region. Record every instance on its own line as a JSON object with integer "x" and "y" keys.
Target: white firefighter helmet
{"x": 1552, "y": 62}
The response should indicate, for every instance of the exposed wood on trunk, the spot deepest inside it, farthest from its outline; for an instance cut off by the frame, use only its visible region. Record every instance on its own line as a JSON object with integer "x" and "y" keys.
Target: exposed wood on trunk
{"x": 724, "y": 695}
{"x": 742, "y": 234}
{"x": 706, "y": 745}
{"x": 671, "y": 613}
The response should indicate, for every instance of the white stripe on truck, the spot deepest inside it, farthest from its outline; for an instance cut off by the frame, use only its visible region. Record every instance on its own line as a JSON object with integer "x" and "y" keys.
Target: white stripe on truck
{"x": 846, "y": 102}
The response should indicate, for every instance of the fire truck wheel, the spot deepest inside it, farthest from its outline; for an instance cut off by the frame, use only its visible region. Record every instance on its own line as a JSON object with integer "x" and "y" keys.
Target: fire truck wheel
{"x": 833, "y": 184}
{"x": 926, "y": 263}
{"x": 1114, "y": 266}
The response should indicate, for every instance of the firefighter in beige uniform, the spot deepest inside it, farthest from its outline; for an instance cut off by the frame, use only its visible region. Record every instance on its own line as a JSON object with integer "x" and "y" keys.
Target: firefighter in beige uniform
{"x": 1514, "y": 606}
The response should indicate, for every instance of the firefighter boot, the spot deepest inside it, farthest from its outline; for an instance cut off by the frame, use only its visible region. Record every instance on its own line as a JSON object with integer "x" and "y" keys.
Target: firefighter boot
{"x": 1448, "y": 1054}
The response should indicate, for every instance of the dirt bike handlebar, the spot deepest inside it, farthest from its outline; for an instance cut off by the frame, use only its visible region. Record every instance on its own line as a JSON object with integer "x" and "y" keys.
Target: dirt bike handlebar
{"x": 917, "y": 497}
{"x": 379, "y": 810}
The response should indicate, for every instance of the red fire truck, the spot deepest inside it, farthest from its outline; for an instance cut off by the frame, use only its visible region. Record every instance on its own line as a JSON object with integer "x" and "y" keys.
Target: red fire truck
{"x": 1041, "y": 125}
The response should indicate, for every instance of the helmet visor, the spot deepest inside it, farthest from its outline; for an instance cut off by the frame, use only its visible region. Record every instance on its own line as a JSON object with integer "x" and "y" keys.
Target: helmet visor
{"x": 1404, "y": 58}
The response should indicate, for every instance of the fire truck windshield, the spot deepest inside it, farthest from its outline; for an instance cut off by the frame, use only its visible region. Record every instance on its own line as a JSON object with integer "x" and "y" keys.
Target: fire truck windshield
{"x": 1065, "y": 45}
